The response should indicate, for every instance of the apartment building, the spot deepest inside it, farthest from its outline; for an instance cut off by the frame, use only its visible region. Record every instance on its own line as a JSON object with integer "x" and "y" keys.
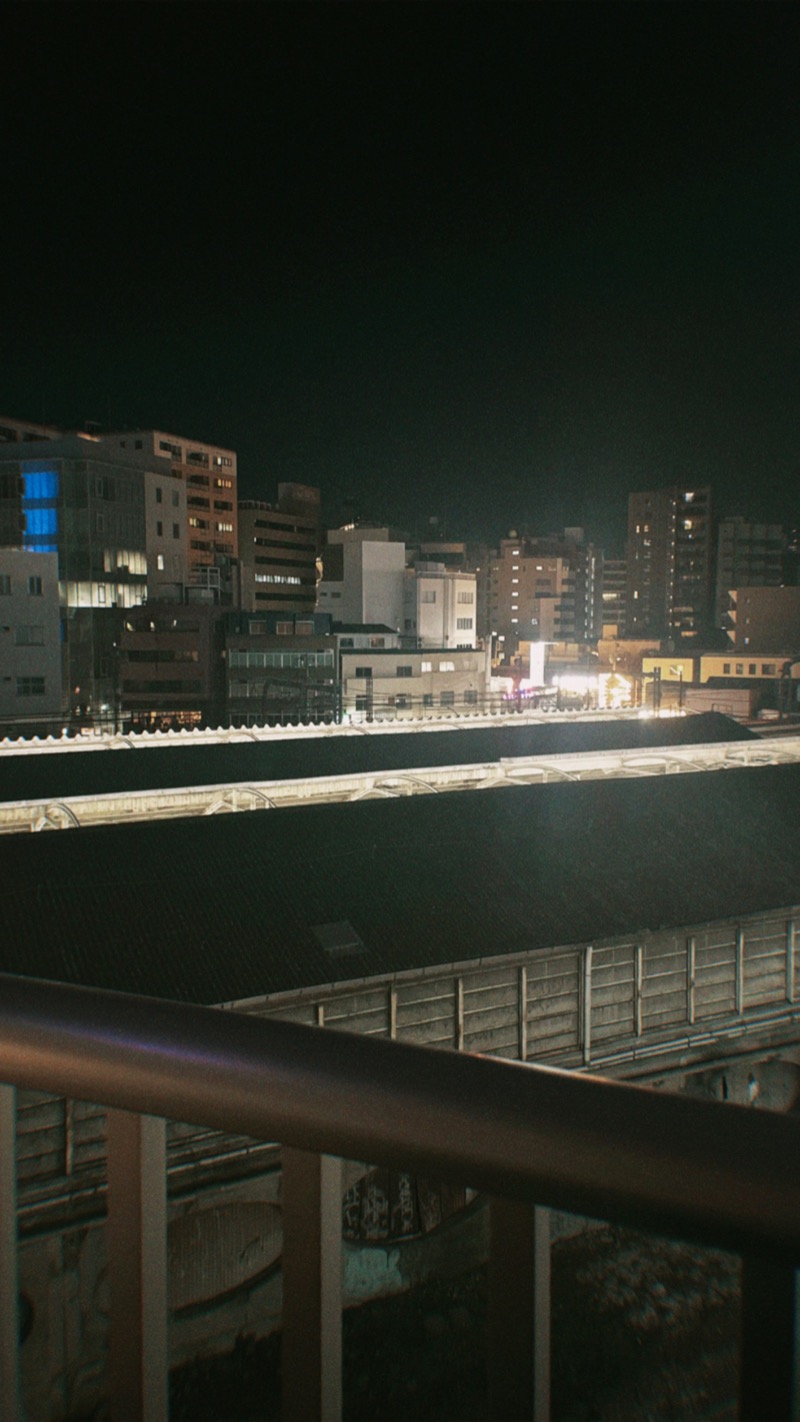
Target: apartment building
{"x": 208, "y": 473}
{"x": 748, "y": 555}
{"x": 669, "y": 556}
{"x": 545, "y": 590}
{"x": 278, "y": 548}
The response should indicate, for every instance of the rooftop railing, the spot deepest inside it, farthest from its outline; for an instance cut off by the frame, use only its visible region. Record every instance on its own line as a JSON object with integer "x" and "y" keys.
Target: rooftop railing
{"x": 530, "y": 1137}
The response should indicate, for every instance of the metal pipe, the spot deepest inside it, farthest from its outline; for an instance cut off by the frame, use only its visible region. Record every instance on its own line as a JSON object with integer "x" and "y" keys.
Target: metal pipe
{"x": 695, "y": 1169}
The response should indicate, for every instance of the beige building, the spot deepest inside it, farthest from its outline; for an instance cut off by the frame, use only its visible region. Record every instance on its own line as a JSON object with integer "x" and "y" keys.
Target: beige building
{"x": 209, "y": 475}
{"x": 396, "y": 682}
{"x": 545, "y": 590}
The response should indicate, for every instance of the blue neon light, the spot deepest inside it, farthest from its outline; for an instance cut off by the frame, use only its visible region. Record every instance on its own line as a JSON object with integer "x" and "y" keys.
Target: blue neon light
{"x": 40, "y": 484}
{"x": 40, "y": 506}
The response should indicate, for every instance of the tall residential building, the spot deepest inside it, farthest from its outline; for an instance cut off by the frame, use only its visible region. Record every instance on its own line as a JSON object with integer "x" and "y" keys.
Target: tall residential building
{"x": 615, "y": 578}
{"x": 748, "y": 555}
{"x": 545, "y": 590}
{"x": 669, "y": 563}
{"x": 363, "y": 575}
{"x": 209, "y": 475}
{"x": 278, "y": 550}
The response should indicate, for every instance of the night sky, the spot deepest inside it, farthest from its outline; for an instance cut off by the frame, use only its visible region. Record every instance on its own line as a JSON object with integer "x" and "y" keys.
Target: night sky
{"x": 496, "y": 264}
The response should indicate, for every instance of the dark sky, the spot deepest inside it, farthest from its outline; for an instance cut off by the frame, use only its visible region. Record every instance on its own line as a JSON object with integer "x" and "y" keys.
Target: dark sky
{"x": 500, "y": 264}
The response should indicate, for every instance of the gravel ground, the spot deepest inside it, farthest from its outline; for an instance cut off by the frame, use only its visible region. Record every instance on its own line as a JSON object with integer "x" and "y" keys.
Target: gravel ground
{"x": 643, "y": 1331}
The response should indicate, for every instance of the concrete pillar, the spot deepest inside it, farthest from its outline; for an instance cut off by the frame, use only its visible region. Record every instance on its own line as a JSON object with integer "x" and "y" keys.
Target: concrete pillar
{"x": 519, "y": 1312}
{"x": 311, "y": 1349}
{"x": 137, "y": 1267}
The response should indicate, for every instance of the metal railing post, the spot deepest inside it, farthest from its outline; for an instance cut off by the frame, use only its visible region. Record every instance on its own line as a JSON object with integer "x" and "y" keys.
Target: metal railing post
{"x": 10, "y": 1385}
{"x": 137, "y": 1267}
{"x": 311, "y": 1348}
{"x": 769, "y": 1382}
{"x": 519, "y": 1312}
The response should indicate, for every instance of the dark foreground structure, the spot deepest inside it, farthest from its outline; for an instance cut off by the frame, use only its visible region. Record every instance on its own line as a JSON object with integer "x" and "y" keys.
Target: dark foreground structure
{"x": 639, "y": 928}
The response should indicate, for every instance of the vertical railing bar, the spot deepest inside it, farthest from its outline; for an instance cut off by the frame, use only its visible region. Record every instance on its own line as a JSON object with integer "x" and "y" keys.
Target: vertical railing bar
{"x": 518, "y": 1312}
{"x": 638, "y": 988}
{"x": 522, "y": 990}
{"x": 739, "y": 971}
{"x": 459, "y": 1014}
{"x": 311, "y": 1348}
{"x": 691, "y": 977}
{"x": 10, "y": 1378}
{"x": 393, "y": 1013}
{"x": 768, "y": 1381}
{"x": 790, "y": 955}
{"x": 587, "y": 1005}
{"x": 137, "y": 1267}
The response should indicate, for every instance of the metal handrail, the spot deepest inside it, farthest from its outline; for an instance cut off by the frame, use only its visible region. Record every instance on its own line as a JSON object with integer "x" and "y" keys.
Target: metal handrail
{"x": 712, "y": 1172}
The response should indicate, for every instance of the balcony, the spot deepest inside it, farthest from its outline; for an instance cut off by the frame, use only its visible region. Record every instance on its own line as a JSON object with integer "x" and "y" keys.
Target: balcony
{"x": 529, "y": 1137}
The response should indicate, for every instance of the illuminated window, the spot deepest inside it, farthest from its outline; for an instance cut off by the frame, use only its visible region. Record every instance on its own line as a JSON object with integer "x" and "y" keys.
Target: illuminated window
{"x": 447, "y": 666}
{"x": 160, "y": 562}
{"x": 426, "y": 666}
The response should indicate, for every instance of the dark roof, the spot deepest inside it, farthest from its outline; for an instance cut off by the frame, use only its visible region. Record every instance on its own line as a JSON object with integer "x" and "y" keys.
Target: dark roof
{"x": 227, "y": 907}
{"x": 56, "y": 775}
{"x": 365, "y": 627}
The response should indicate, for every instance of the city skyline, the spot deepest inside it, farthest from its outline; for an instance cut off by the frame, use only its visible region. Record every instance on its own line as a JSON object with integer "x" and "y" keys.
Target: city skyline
{"x": 498, "y": 265}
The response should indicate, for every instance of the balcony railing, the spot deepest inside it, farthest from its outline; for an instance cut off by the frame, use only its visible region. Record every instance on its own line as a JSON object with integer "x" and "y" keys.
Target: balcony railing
{"x": 530, "y": 1137}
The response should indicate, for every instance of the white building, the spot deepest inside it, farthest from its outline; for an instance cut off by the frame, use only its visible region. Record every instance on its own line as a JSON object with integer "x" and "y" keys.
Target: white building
{"x": 30, "y": 640}
{"x": 396, "y": 682}
{"x": 439, "y": 606}
{"x": 363, "y": 577}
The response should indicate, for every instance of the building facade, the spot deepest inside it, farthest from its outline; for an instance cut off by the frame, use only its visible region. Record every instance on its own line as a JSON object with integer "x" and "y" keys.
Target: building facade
{"x": 669, "y": 557}
{"x": 278, "y": 550}
{"x": 88, "y": 504}
{"x": 30, "y": 643}
{"x": 545, "y": 590}
{"x": 748, "y": 555}
{"x": 402, "y": 683}
{"x": 764, "y": 617}
{"x": 169, "y": 666}
{"x": 439, "y": 606}
{"x": 208, "y": 473}
{"x": 363, "y": 577}
{"x": 280, "y": 668}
